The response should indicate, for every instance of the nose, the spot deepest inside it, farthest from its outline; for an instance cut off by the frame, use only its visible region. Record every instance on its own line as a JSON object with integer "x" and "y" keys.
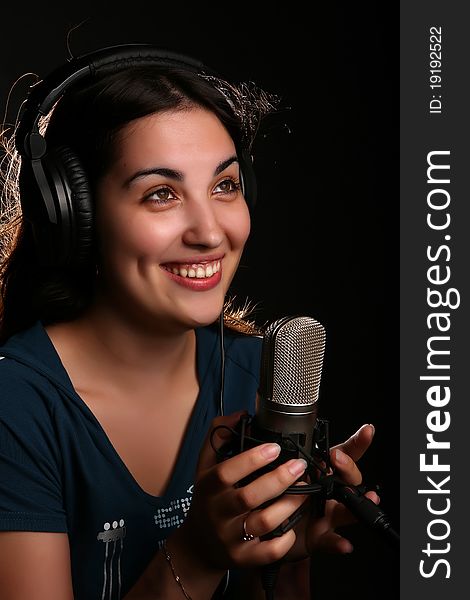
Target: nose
{"x": 203, "y": 228}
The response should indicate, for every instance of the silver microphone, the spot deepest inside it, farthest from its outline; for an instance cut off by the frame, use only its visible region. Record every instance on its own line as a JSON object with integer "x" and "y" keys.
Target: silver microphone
{"x": 291, "y": 365}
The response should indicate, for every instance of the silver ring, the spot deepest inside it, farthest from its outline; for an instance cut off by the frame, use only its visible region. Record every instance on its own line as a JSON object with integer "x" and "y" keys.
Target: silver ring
{"x": 247, "y": 537}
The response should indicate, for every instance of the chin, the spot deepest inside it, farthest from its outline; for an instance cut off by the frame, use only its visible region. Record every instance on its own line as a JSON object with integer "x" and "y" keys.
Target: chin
{"x": 203, "y": 315}
{"x": 201, "y": 309}
{"x": 203, "y": 320}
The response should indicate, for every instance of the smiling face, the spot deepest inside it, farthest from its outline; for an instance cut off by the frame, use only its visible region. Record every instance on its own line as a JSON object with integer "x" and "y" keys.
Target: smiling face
{"x": 171, "y": 220}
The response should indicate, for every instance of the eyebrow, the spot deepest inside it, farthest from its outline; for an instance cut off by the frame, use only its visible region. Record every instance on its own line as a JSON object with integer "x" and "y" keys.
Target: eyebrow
{"x": 173, "y": 174}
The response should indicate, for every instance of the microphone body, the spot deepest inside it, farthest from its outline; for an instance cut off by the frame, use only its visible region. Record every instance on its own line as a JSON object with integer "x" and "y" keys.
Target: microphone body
{"x": 286, "y": 413}
{"x": 291, "y": 364}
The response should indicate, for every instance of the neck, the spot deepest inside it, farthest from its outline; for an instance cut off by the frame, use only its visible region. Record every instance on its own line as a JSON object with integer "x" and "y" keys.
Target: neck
{"x": 104, "y": 343}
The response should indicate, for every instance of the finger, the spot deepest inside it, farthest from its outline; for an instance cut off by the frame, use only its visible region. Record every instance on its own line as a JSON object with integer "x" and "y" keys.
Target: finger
{"x": 225, "y": 475}
{"x": 262, "y": 552}
{"x": 333, "y": 543}
{"x": 218, "y": 434}
{"x": 262, "y": 522}
{"x": 338, "y": 515}
{"x": 373, "y": 496}
{"x": 266, "y": 487}
{"x": 358, "y": 443}
{"x": 345, "y": 467}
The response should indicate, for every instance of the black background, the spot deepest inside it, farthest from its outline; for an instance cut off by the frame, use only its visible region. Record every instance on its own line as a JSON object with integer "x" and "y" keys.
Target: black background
{"x": 325, "y": 230}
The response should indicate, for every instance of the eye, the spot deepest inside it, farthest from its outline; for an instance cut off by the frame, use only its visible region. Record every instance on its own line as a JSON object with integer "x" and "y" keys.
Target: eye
{"x": 161, "y": 196}
{"x": 228, "y": 186}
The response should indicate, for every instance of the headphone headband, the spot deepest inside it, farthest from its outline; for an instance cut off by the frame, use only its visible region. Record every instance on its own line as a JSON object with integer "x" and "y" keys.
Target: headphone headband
{"x": 45, "y": 93}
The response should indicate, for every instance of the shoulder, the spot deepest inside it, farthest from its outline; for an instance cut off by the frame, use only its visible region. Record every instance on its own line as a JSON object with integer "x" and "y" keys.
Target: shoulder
{"x": 241, "y": 370}
{"x": 30, "y": 401}
{"x": 243, "y": 350}
{"x": 26, "y": 399}
{"x": 24, "y": 383}
{"x": 244, "y": 337}
{"x": 29, "y": 446}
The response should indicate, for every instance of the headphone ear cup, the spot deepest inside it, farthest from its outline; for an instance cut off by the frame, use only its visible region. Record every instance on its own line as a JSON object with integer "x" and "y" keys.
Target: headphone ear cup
{"x": 72, "y": 194}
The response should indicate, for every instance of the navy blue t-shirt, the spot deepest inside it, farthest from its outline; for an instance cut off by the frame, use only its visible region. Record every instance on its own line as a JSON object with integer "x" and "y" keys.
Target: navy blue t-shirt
{"x": 59, "y": 471}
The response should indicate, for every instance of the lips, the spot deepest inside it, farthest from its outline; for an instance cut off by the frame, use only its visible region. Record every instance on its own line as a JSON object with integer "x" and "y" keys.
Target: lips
{"x": 203, "y": 270}
{"x": 196, "y": 276}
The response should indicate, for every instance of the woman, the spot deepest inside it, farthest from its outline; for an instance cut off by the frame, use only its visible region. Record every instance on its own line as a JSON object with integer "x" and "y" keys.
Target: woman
{"x": 112, "y": 369}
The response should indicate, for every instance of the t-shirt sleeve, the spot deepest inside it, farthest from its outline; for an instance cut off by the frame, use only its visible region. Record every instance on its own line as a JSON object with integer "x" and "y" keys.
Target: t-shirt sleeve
{"x": 30, "y": 464}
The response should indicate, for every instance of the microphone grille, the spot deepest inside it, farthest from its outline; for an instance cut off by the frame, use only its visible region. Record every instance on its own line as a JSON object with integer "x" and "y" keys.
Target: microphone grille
{"x": 292, "y": 360}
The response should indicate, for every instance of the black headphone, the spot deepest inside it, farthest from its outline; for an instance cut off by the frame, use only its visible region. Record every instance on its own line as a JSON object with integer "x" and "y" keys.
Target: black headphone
{"x": 62, "y": 218}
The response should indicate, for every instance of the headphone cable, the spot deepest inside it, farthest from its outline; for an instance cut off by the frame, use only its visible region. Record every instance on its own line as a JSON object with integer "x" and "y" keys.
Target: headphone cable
{"x": 222, "y": 363}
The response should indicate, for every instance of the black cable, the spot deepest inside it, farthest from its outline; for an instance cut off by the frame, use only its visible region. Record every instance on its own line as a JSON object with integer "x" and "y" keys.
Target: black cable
{"x": 269, "y": 574}
{"x": 221, "y": 398}
{"x": 222, "y": 363}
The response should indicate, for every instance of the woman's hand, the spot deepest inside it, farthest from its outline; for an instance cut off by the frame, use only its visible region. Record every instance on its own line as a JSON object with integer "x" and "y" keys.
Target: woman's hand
{"x": 223, "y": 513}
{"x": 211, "y": 539}
{"x": 214, "y": 527}
{"x": 318, "y": 534}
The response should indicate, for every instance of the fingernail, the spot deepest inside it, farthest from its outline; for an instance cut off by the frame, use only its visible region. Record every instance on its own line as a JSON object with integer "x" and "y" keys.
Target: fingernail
{"x": 373, "y": 428}
{"x": 270, "y": 450}
{"x": 297, "y": 467}
{"x": 341, "y": 457}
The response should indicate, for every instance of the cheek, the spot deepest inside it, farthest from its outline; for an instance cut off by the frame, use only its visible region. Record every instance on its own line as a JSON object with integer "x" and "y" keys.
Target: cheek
{"x": 238, "y": 228}
{"x": 136, "y": 237}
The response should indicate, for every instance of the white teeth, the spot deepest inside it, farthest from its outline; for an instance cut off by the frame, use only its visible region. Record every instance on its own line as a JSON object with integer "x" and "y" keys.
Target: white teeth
{"x": 199, "y": 272}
